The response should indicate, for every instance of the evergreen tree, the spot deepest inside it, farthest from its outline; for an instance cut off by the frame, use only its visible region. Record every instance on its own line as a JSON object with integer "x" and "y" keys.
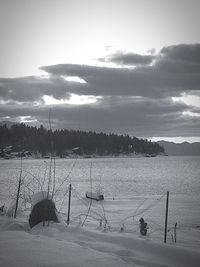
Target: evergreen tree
{"x": 23, "y": 137}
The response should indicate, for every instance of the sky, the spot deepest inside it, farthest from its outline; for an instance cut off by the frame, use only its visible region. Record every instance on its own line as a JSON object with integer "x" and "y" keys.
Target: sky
{"x": 115, "y": 66}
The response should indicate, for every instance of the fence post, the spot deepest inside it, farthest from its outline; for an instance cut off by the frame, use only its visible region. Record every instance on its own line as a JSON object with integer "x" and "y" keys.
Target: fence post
{"x": 18, "y": 190}
{"x": 175, "y": 232}
{"x": 69, "y": 204}
{"x": 166, "y": 217}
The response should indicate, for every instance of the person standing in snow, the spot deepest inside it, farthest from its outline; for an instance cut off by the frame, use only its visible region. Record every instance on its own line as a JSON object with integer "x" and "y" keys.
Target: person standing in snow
{"x": 143, "y": 226}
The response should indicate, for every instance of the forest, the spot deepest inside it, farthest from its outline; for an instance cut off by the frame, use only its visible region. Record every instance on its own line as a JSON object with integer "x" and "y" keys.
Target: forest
{"x": 38, "y": 140}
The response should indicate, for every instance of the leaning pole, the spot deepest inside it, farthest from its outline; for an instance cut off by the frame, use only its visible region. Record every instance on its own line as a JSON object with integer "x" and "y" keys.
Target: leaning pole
{"x": 166, "y": 217}
{"x": 69, "y": 204}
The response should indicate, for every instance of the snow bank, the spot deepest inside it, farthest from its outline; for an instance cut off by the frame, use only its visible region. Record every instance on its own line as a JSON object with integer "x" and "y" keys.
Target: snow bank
{"x": 59, "y": 245}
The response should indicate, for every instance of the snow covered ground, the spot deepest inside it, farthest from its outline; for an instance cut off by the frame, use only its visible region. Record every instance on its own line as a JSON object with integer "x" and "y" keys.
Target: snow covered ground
{"x": 91, "y": 244}
{"x": 133, "y": 188}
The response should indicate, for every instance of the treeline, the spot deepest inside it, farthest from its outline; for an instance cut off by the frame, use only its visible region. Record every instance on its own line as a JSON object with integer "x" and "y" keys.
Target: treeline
{"x": 22, "y": 137}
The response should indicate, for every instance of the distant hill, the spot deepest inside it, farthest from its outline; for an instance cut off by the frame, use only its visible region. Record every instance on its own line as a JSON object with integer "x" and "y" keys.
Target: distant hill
{"x": 182, "y": 149}
{"x": 21, "y": 137}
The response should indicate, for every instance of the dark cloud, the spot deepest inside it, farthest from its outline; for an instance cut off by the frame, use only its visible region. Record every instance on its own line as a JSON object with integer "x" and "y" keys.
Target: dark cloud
{"x": 141, "y": 117}
{"x": 135, "y": 101}
{"x": 189, "y": 53}
{"x": 181, "y": 59}
{"x": 147, "y": 82}
{"x": 33, "y": 88}
{"x": 129, "y": 59}
{"x": 168, "y": 76}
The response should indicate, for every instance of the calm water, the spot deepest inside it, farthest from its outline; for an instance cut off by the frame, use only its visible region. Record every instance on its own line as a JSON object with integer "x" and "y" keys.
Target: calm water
{"x": 116, "y": 176}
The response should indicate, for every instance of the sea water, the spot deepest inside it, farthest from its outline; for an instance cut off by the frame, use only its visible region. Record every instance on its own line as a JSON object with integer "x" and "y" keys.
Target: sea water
{"x": 117, "y": 176}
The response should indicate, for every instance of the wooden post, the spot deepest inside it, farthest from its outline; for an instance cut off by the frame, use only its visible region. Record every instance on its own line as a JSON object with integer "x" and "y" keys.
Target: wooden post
{"x": 166, "y": 217}
{"x": 69, "y": 204}
{"x": 175, "y": 232}
{"x": 18, "y": 190}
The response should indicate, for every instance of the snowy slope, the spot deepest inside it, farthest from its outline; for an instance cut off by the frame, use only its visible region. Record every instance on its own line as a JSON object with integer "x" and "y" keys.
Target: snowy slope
{"x": 59, "y": 245}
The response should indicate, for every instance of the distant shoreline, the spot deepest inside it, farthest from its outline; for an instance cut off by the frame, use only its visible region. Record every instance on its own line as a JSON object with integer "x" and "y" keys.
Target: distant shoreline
{"x": 97, "y": 157}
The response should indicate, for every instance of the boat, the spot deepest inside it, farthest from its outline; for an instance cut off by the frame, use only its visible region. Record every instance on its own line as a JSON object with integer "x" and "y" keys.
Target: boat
{"x": 95, "y": 195}
{"x": 150, "y": 155}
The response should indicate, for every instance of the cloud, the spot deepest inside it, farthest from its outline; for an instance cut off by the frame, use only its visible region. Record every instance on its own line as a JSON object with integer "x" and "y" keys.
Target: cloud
{"x": 129, "y": 59}
{"x": 130, "y": 101}
{"x": 176, "y": 70}
{"x": 146, "y": 82}
{"x": 33, "y": 88}
{"x": 189, "y": 53}
{"x": 166, "y": 78}
{"x": 141, "y": 117}
{"x": 182, "y": 59}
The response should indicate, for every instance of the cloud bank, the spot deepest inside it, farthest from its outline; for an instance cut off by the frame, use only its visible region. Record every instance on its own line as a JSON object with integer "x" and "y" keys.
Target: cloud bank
{"x": 128, "y": 59}
{"x": 134, "y": 97}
